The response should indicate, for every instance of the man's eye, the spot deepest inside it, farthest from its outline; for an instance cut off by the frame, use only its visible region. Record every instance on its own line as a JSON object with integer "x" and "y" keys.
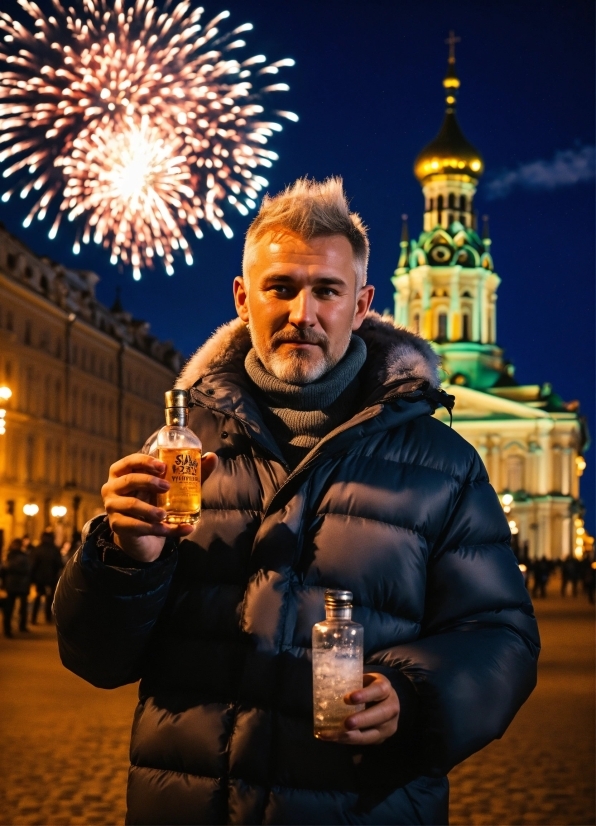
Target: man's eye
{"x": 281, "y": 289}
{"x": 326, "y": 292}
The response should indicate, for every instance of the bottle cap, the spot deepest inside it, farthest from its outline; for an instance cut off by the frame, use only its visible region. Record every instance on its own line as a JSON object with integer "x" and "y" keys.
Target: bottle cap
{"x": 177, "y": 398}
{"x": 338, "y": 599}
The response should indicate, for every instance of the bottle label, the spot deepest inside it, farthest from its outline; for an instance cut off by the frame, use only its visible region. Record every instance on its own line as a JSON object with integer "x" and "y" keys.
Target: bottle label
{"x": 183, "y": 471}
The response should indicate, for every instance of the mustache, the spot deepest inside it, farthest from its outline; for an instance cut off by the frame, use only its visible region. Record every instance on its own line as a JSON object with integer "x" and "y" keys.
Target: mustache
{"x": 300, "y": 336}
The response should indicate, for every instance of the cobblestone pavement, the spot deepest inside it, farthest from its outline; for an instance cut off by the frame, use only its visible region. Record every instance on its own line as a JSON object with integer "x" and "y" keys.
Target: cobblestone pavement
{"x": 64, "y": 744}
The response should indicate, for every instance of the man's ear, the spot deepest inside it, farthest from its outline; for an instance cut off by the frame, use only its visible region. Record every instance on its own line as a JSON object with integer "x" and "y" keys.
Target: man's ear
{"x": 363, "y": 302}
{"x": 241, "y": 298}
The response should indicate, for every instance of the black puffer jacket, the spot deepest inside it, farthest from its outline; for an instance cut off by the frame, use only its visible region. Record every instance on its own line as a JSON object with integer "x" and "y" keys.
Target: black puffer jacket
{"x": 394, "y": 506}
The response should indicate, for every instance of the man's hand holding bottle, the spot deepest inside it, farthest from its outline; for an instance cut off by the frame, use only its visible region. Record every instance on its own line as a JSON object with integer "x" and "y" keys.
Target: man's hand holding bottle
{"x": 130, "y": 497}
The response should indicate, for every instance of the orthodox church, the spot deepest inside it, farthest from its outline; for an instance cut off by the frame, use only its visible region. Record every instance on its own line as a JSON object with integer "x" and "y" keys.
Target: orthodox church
{"x": 531, "y": 441}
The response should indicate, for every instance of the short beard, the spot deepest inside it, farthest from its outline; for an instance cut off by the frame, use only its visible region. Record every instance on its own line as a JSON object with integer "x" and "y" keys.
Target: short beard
{"x": 296, "y": 367}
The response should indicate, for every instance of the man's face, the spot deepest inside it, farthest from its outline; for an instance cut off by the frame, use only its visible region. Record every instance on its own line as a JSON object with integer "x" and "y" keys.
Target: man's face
{"x": 301, "y": 303}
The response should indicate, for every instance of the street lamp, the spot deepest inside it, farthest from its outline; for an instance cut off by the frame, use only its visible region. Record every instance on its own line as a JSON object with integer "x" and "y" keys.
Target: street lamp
{"x": 58, "y": 511}
{"x": 579, "y": 537}
{"x": 507, "y": 501}
{"x": 5, "y": 394}
{"x": 31, "y": 509}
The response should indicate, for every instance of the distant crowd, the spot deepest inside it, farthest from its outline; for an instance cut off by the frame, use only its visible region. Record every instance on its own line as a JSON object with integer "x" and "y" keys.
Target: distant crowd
{"x": 575, "y": 575}
{"x": 26, "y": 565}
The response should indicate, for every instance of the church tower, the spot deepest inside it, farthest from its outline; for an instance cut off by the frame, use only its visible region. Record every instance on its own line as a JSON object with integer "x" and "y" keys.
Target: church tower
{"x": 531, "y": 441}
{"x": 445, "y": 284}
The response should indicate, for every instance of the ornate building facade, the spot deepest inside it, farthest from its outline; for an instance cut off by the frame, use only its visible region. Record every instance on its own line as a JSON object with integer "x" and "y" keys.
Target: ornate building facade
{"x": 532, "y": 442}
{"x": 86, "y": 383}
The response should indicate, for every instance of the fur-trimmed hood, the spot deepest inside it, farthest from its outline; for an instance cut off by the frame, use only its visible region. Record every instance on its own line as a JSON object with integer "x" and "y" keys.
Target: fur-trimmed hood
{"x": 394, "y": 353}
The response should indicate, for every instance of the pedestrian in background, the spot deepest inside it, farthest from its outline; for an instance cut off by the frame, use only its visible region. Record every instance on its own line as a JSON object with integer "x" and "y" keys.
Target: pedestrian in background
{"x": 541, "y": 576}
{"x": 16, "y": 574}
{"x": 588, "y": 566}
{"x": 570, "y": 573}
{"x": 46, "y": 564}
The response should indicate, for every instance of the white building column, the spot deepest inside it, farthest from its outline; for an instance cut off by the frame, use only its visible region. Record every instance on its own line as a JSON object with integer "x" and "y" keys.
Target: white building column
{"x": 454, "y": 329}
{"x": 495, "y": 461}
{"x": 565, "y": 536}
{"x": 483, "y": 308}
{"x": 544, "y": 480}
{"x": 544, "y": 530}
{"x": 566, "y": 459}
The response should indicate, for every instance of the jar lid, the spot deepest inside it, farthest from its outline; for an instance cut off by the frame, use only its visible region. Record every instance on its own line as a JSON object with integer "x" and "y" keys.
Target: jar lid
{"x": 338, "y": 598}
{"x": 177, "y": 398}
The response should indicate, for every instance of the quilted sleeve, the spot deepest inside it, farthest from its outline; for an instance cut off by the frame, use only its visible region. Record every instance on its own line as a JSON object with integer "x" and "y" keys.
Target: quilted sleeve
{"x": 105, "y": 613}
{"x": 475, "y": 662}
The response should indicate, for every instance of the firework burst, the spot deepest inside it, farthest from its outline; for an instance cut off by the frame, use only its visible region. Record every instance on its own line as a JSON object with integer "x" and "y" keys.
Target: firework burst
{"x": 134, "y": 121}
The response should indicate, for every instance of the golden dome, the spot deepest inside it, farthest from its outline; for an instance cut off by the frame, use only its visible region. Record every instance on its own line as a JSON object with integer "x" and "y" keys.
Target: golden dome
{"x": 449, "y": 153}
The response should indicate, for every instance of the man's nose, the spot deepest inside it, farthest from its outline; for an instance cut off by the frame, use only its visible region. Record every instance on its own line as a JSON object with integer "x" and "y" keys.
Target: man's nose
{"x": 303, "y": 310}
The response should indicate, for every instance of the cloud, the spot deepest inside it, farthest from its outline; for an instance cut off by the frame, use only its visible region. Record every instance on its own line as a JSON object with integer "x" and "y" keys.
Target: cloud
{"x": 568, "y": 167}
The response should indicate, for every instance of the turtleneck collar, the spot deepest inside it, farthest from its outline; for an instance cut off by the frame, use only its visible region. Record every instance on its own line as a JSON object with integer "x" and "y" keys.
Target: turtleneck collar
{"x": 299, "y": 416}
{"x": 317, "y": 395}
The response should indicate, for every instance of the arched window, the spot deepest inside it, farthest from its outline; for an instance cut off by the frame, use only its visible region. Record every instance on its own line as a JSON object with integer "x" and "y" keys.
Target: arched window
{"x": 451, "y": 201}
{"x": 29, "y": 458}
{"x": 431, "y": 204}
{"x": 440, "y": 203}
{"x": 462, "y": 203}
{"x": 515, "y": 472}
{"x": 442, "y": 326}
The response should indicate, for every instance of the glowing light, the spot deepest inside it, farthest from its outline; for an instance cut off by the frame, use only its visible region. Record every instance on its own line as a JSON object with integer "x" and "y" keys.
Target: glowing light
{"x": 58, "y": 511}
{"x": 30, "y": 509}
{"x": 507, "y": 499}
{"x": 5, "y": 392}
{"x": 580, "y": 465}
{"x": 135, "y": 123}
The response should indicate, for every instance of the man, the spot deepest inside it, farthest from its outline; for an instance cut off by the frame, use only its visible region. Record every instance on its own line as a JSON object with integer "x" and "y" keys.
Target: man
{"x": 16, "y": 576}
{"x": 325, "y": 470}
{"x": 46, "y": 564}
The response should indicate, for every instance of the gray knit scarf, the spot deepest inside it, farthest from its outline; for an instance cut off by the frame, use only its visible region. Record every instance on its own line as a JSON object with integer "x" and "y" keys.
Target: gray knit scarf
{"x": 300, "y": 415}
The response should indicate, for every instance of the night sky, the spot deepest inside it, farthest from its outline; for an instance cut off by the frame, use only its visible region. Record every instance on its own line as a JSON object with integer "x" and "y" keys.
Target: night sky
{"x": 367, "y": 88}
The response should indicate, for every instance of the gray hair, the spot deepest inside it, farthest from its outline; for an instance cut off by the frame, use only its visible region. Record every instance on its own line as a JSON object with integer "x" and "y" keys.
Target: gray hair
{"x": 312, "y": 210}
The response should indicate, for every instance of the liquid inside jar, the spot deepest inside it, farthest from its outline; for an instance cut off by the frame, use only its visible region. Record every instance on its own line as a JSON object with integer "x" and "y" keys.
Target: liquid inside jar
{"x": 336, "y": 672}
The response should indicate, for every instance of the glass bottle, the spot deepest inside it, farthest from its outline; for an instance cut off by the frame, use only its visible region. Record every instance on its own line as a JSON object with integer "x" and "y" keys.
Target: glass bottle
{"x": 180, "y": 450}
{"x": 337, "y": 662}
